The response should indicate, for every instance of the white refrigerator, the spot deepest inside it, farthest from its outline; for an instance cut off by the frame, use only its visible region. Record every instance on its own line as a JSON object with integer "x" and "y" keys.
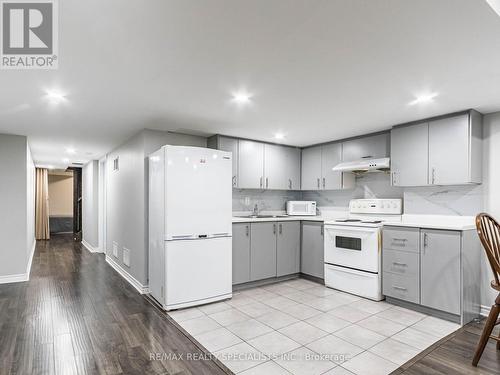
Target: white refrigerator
{"x": 190, "y": 226}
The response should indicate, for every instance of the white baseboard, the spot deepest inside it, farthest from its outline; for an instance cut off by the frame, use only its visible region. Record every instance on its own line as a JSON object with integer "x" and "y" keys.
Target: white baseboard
{"x": 7, "y": 279}
{"x": 91, "y": 248}
{"x": 485, "y": 310}
{"x": 143, "y": 289}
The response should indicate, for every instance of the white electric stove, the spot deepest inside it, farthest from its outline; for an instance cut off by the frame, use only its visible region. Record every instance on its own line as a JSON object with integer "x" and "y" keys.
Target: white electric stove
{"x": 353, "y": 247}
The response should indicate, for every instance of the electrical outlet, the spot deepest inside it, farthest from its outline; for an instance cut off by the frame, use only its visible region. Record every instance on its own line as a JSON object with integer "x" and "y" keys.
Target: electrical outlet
{"x": 115, "y": 249}
{"x": 126, "y": 257}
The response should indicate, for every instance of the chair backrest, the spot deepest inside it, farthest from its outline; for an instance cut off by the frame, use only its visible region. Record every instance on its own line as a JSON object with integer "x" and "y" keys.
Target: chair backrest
{"x": 488, "y": 230}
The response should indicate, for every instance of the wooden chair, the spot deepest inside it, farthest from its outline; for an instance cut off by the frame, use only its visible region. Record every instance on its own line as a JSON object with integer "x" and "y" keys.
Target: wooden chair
{"x": 488, "y": 230}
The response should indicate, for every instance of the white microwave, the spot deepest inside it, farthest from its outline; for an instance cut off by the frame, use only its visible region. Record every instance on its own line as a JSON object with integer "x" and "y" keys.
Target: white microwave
{"x": 301, "y": 208}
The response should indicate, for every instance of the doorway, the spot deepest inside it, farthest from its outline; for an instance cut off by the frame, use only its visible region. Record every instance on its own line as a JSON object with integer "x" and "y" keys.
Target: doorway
{"x": 60, "y": 186}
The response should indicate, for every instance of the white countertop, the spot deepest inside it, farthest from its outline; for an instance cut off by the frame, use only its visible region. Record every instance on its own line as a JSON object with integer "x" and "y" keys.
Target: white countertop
{"x": 237, "y": 219}
{"x": 446, "y": 222}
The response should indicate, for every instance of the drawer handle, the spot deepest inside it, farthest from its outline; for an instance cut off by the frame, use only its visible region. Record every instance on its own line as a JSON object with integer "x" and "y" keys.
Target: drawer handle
{"x": 400, "y": 288}
{"x": 400, "y": 239}
{"x": 400, "y": 264}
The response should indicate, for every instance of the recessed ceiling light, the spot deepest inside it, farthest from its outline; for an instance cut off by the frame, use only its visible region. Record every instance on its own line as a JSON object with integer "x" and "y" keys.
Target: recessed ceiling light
{"x": 55, "y": 97}
{"x": 425, "y": 98}
{"x": 70, "y": 150}
{"x": 279, "y": 136}
{"x": 241, "y": 97}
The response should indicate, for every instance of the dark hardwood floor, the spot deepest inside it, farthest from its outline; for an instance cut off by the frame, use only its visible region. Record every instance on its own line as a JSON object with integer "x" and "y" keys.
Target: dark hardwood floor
{"x": 453, "y": 355}
{"x": 76, "y": 315}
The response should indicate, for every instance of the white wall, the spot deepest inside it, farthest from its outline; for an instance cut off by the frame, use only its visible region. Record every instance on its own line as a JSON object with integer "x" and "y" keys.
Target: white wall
{"x": 491, "y": 190}
{"x": 126, "y": 192}
{"x": 16, "y": 208}
{"x": 90, "y": 203}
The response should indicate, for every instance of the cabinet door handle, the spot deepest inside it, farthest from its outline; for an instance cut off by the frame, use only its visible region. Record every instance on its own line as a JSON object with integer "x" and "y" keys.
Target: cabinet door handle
{"x": 318, "y": 182}
{"x": 393, "y": 178}
{"x": 322, "y": 230}
{"x": 247, "y": 227}
{"x": 324, "y": 182}
{"x": 290, "y": 184}
{"x": 400, "y": 264}
{"x": 433, "y": 175}
{"x": 425, "y": 240}
{"x": 234, "y": 181}
{"x": 281, "y": 228}
{"x": 267, "y": 182}
{"x": 261, "y": 182}
{"x": 274, "y": 228}
{"x": 400, "y": 288}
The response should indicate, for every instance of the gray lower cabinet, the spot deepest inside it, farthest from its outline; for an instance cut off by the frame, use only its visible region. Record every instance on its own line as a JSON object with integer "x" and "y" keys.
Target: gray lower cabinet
{"x": 435, "y": 268}
{"x": 288, "y": 248}
{"x": 262, "y": 250}
{"x": 312, "y": 253}
{"x": 440, "y": 270}
{"x": 241, "y": 253}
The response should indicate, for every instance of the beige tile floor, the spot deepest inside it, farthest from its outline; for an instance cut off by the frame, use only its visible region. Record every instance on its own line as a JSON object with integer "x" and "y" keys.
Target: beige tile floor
{"x": 300, "y": 327}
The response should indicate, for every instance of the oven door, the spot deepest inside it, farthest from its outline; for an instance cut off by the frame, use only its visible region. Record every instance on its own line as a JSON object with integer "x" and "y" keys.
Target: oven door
{"x": 354, "y": 247}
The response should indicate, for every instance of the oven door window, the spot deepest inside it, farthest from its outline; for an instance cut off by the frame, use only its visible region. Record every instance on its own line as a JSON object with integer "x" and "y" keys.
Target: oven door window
{"x": 349, "y": 243}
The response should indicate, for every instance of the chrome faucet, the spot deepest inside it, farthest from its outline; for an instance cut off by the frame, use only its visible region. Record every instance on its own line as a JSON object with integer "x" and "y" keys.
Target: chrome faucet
{"x": 255, "y": 210}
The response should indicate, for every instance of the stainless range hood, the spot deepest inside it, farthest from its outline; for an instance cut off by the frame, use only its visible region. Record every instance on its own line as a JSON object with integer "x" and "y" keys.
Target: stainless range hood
{"x": 364, "y": 165}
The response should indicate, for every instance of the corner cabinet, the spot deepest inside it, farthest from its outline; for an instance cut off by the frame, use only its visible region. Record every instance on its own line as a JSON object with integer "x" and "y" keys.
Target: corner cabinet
{"x": 446, "y": 151}
{"x": 438, "y": 270}
{"x": 317, "y": 173}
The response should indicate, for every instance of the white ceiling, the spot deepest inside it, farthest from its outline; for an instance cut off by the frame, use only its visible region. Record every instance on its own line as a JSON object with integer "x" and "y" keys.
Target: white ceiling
{"x": 318, "y": 69}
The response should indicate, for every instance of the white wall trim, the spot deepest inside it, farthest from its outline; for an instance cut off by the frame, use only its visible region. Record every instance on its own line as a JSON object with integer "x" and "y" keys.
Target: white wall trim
{"x": 143, "y": 289}
{"x": 7, "y": 279}
{"x": 30, "y": 260}
{"x": 91, "y": 248}
{"x": 485, "y": 310}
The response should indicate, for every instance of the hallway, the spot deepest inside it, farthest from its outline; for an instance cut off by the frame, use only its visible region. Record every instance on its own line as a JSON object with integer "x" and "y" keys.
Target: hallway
{"x": 77, "y": 316}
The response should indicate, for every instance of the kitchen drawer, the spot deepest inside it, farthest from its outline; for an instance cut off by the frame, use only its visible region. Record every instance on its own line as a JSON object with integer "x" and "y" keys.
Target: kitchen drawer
{"x": 400, "y": 262}
{"x": 405, "y": 239}
{"x": 402, "y": 287}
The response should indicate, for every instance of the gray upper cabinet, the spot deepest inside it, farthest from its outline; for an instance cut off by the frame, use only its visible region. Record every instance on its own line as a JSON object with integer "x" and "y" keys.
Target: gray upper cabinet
{"x": 446, "y": 151}
{"x": 372, "y": 146}
{"x": 453, "y": 158}
{"x": 312, "y": 254}
{"x": 331, "y": 155}
{"x": 410, "y": 155}
{"x": 227, "y": 144}
{"x": 317, "y": 164}
{"x": 311, "y": 168}
{"x": 241, "y": 253}
{"x": 263, "y": 250}
{"x": 288, "y": 248}
{"x": 281, "y": 167}
{"x": 251, "y": 165}
{"x": 292, "y": 167}
{"x": 440, "y": 270}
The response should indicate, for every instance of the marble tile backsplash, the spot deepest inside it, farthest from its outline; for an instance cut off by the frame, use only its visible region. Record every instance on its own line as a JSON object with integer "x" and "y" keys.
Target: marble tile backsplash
{"x": 266, "y": 200}
{"x": 436, "y": 200}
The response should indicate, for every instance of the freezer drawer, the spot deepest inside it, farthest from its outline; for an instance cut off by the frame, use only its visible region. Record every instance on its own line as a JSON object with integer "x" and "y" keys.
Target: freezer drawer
{"x": 197, "y": 271}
